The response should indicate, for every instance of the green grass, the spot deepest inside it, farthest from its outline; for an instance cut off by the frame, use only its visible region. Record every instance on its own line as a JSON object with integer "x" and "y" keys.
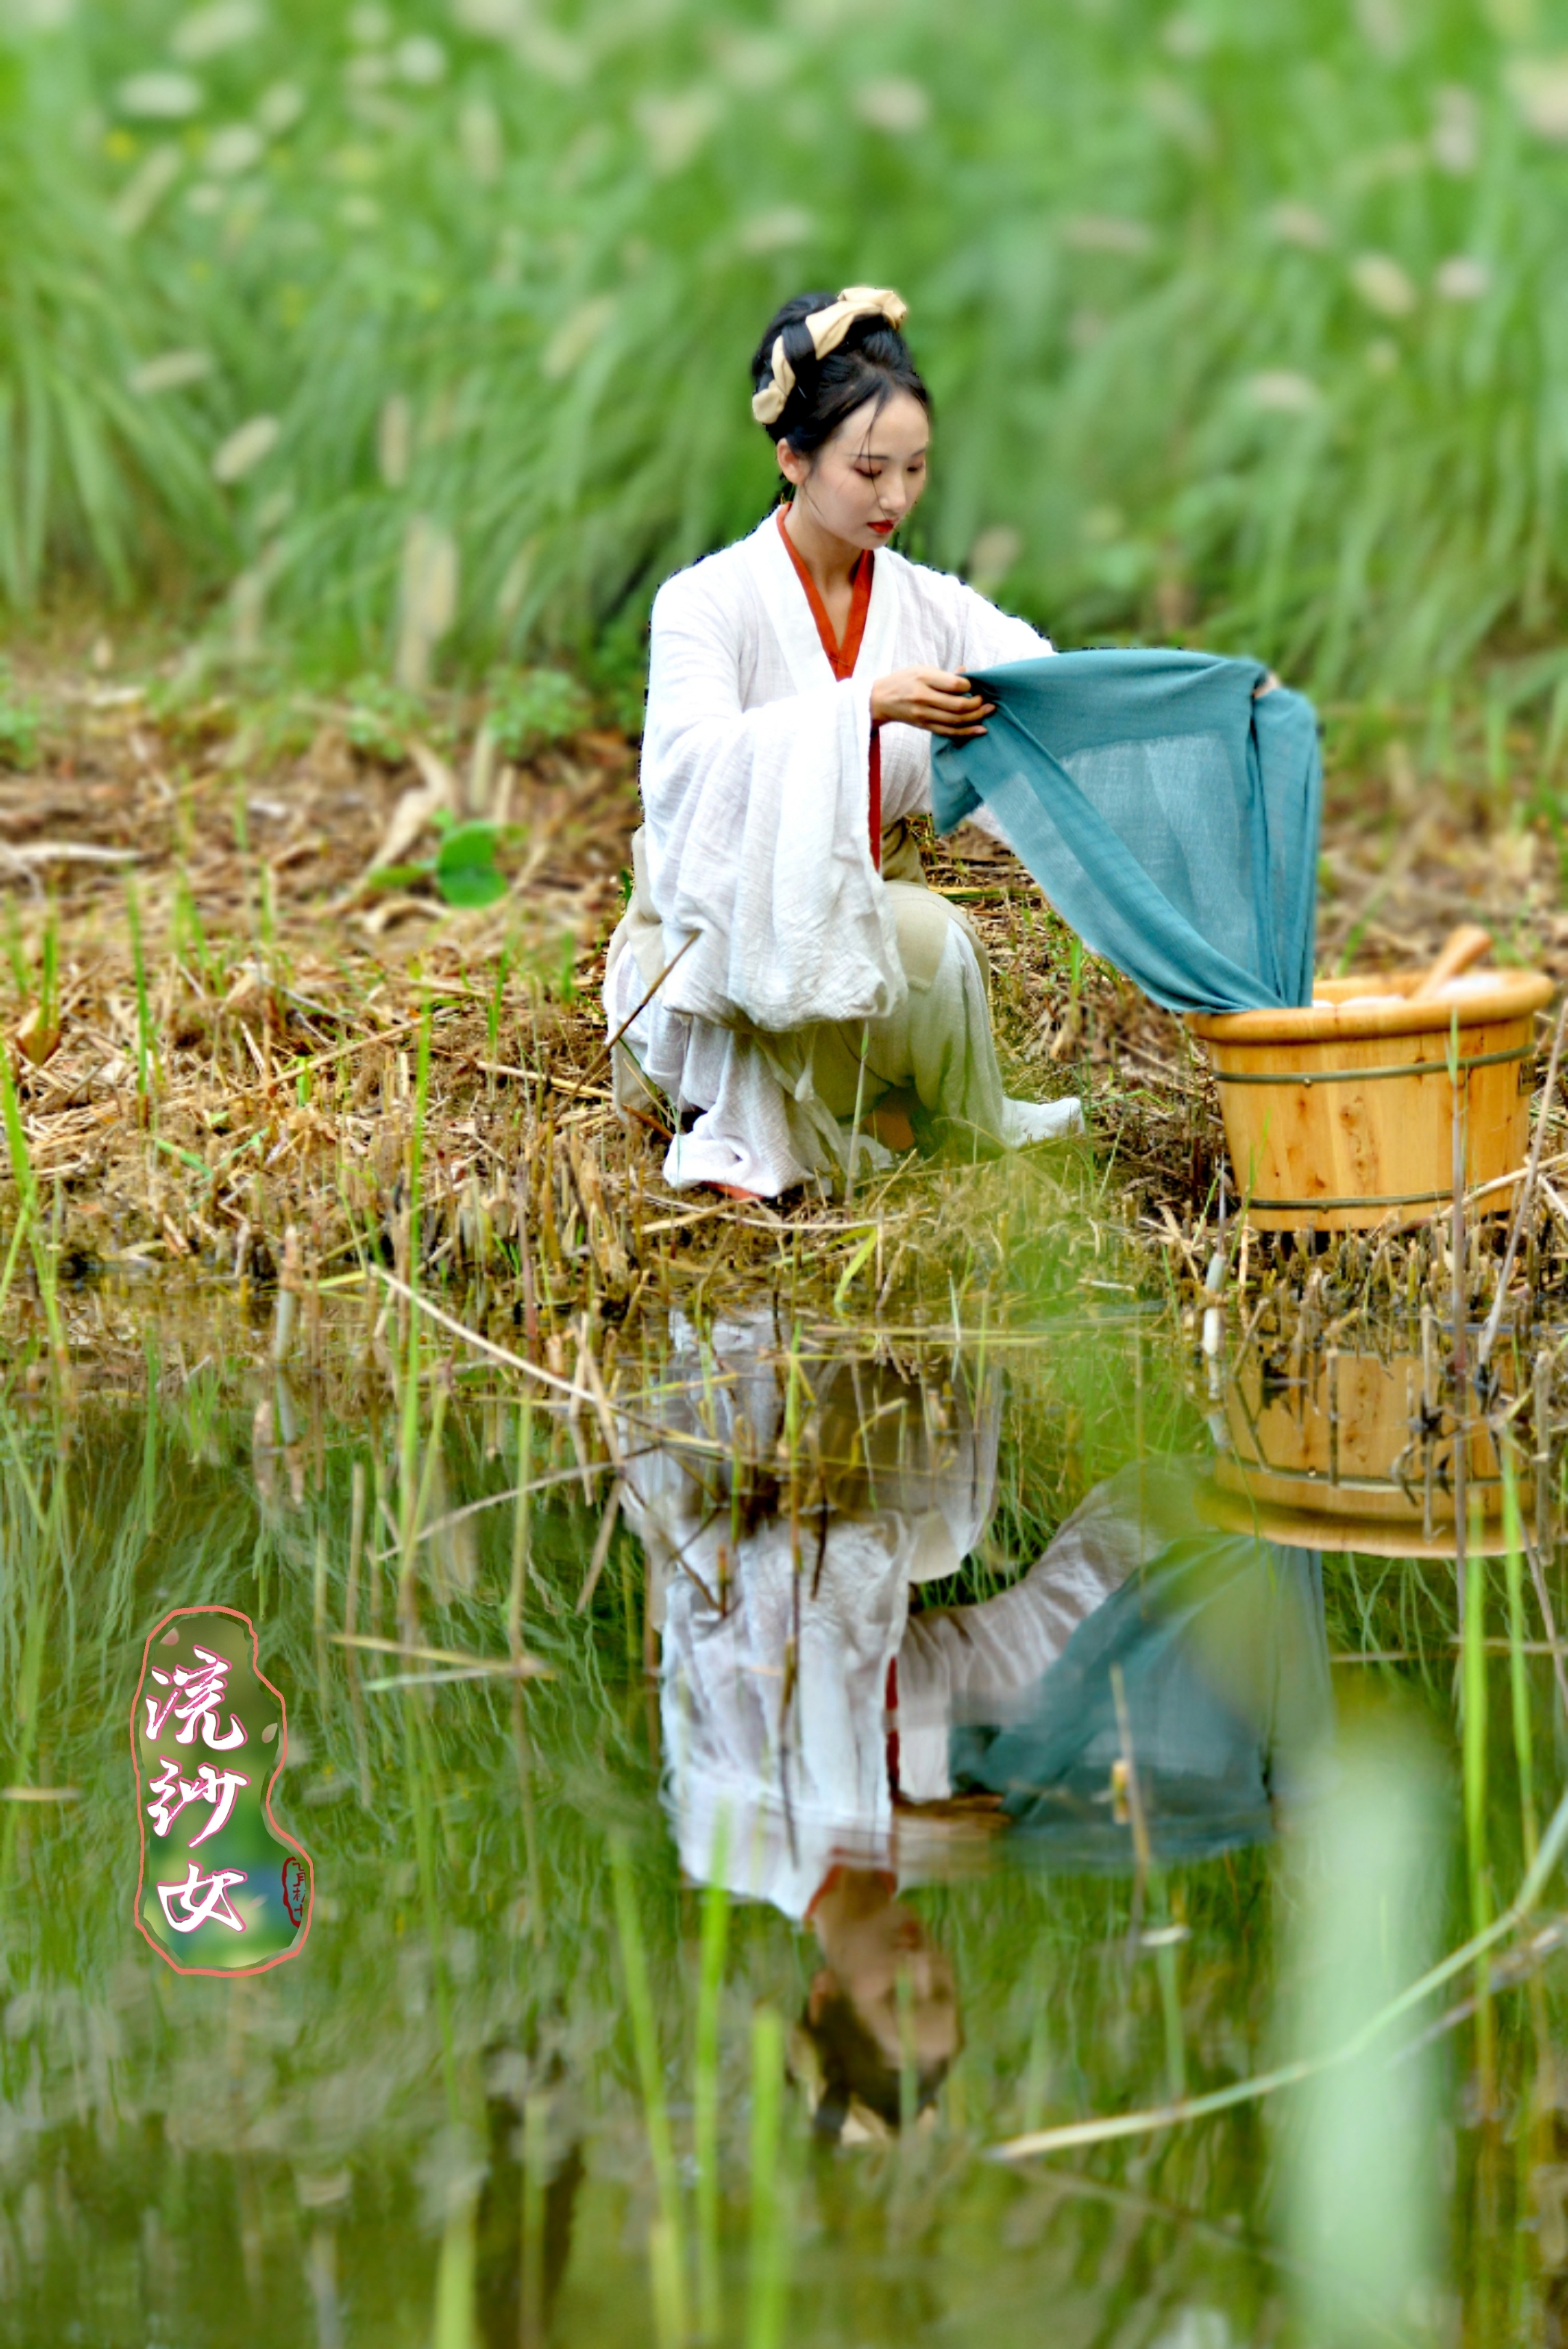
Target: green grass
{"x": 418, "y": 333}
{"x": 176, "y": 2163}
{"x": 434, "y": 1957}
{"x": 91, "y": 476}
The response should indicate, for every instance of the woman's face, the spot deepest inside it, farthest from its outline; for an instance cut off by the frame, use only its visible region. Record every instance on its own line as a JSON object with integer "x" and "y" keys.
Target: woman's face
{"x": 862, "y": 482}
{"x": 871, "y": 1940}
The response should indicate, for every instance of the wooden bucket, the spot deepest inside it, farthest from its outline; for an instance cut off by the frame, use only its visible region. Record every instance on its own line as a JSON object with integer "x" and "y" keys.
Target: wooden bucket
{"x": 1344, "y": 1457}
{"x": 1340, "y": 1116}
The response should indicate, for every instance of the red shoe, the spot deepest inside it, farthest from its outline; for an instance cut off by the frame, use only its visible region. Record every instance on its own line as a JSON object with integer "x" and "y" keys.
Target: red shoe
{"x": 892, "y": 1128}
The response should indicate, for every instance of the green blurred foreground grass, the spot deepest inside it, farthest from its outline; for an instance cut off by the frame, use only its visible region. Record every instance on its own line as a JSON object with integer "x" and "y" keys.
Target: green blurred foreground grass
{"x": 445, "y": 2122}
{"x": 420, "y": 331}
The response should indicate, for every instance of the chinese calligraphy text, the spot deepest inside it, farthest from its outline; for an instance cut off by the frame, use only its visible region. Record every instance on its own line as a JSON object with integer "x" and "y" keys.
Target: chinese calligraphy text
{"x": 221, "y": 1887}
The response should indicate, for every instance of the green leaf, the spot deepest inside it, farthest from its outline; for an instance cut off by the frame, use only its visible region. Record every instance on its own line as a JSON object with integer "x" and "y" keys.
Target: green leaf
{"x": 536, "y": 706}
{"x": 466, "y": 873}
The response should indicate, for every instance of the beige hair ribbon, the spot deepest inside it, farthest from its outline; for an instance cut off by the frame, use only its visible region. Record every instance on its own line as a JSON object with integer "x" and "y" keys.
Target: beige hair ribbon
{"x": 827, "y": 329}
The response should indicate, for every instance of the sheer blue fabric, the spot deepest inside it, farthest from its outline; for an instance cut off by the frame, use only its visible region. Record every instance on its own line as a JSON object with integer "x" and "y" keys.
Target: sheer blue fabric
{"x": 1220, "y": 1654}
{"x": 1170, "y": 818}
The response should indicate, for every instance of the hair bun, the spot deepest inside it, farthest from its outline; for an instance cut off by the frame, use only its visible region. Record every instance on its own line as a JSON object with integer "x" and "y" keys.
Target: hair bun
{"x": 823, "y": 330}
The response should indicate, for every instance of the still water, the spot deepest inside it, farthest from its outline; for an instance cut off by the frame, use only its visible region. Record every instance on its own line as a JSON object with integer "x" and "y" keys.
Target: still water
{"x": 728, "y": 1813}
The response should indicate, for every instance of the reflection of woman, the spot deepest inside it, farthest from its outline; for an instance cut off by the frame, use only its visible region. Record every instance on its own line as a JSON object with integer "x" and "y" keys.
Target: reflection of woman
{"x": 881, "y": 2011}
{"x": 802, "y": 1704}
{"x": 796, "y": 679}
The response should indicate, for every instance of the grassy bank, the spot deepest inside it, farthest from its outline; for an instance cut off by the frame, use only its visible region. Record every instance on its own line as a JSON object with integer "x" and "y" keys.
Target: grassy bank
{"x": 250, "y": 1037}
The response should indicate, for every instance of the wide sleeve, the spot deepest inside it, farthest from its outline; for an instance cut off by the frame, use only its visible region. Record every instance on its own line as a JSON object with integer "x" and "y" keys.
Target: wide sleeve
{"x": 991, "y": 636}
{"x": 759, "y": 860}
{"x": 974, "y": 1656}
{"x": 975, "y": 1664}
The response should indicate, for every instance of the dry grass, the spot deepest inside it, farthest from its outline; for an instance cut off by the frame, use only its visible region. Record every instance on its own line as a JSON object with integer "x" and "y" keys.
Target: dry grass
{"x": 244, "y": 1110}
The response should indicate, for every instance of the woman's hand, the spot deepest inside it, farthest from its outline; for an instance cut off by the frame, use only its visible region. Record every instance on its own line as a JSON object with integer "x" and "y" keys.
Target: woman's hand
{"x": 932, "y": 699}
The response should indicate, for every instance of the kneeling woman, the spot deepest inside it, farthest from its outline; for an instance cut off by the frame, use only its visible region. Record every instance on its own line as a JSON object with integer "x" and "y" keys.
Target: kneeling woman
{"x": 782, "y": 969}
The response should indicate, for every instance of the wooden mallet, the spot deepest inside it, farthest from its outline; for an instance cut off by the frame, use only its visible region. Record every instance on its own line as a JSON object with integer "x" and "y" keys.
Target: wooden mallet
{"x": 1461, "y": 948}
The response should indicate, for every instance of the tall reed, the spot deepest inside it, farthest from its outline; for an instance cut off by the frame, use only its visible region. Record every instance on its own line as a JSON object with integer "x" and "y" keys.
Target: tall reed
{"x": 1474, "y": 1713}
{"x": 1241, "y": 320}
{"x": 144, "y": 1047}
{"x": 705, "y": 2099}
{"x": 770, "y": 2188}
{"x": 412, "y": 1482}
{"x": 1360, "y": 2184}
{"x": 30, "y": 1217}
{"x": 1518, "y": 1665}
{"x": 666, "y": 2236}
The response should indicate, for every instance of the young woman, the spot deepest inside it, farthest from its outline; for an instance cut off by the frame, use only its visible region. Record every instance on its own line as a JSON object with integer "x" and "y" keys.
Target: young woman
{"x": 782, "y": 969}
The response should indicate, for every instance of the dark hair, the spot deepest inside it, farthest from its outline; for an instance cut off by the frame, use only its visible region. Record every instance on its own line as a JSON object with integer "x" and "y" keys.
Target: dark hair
{"x": 855, "y": 2069}
{"x": 871, "y": 363}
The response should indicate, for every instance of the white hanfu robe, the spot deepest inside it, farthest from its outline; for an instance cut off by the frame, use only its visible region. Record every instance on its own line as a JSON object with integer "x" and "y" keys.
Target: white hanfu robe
{"x": 756, "y": 894}
{"x": 795, "y": 1687}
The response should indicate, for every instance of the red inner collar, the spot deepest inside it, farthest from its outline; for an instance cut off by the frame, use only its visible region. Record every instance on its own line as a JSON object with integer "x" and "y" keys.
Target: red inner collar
{"x": 889, "y": 1875}
{"x": 841, "y": 658}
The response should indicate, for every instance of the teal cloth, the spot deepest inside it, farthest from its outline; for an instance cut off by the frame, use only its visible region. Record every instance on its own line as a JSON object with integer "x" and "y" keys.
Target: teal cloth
{"x": 1170, "y": 818}
{"x": 1222, "y": 1656}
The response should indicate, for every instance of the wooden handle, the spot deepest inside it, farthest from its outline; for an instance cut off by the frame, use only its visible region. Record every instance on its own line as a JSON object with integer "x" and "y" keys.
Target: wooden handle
{"x": 1464, "y": 945}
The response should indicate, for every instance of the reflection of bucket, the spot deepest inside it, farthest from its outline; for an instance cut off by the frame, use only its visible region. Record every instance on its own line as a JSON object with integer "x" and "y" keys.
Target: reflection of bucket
{"x": 1340, "y": 1116}
{"x": 1345, "y": 1447}
{"x": 1234, "y": 1512}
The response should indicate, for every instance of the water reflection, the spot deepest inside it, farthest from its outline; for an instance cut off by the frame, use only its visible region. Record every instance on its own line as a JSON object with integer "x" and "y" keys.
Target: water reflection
{"x": 786, "y": 1516}
{"x": 1359, "y": 1447}
{"x": 528, "y": 2203}
{"x": 1152, "y": 1689}
{"x": 937, "y": 1736}
{"x": 798, "y": 1700}
{"x": 1184, "y": 1716}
